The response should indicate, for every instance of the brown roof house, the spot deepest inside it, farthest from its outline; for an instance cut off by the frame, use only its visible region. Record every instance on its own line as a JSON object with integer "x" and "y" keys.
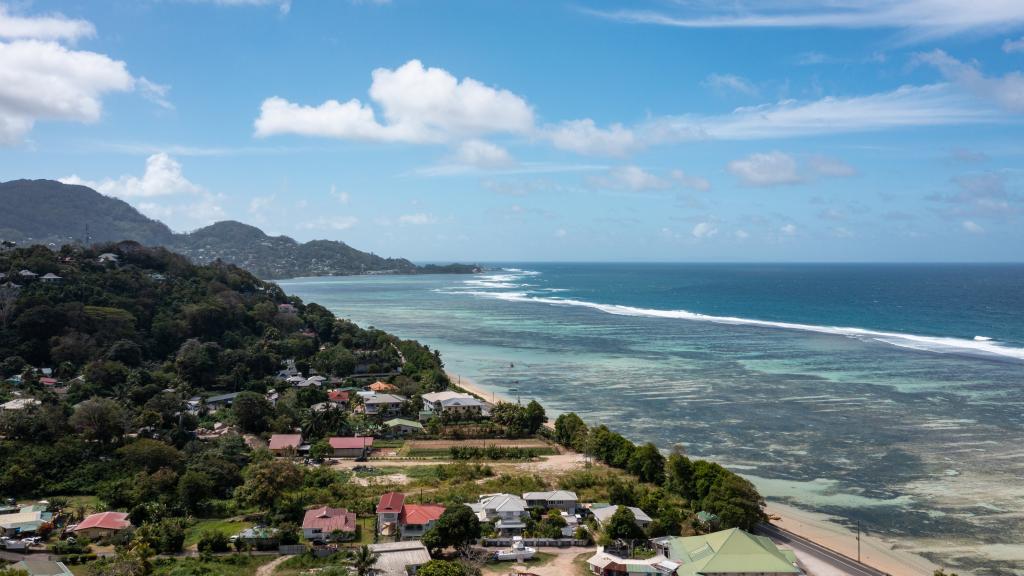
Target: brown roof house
{"x": 285, "y": 444}
{"x": 329, "y": 524}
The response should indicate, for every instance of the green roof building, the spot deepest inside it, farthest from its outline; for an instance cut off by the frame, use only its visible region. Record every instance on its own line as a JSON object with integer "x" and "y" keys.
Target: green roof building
{"x": 728, "y": 552}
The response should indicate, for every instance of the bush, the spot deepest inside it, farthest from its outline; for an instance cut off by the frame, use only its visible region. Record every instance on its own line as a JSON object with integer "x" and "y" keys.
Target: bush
{"x": 212, "y": 541}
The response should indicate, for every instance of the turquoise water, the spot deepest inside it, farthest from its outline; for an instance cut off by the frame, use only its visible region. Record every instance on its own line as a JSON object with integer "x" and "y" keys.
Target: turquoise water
{"x": 889, "y": 395}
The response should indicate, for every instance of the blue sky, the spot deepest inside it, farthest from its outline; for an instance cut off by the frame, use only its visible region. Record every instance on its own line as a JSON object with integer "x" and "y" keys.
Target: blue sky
{"x": 663, "y": 130}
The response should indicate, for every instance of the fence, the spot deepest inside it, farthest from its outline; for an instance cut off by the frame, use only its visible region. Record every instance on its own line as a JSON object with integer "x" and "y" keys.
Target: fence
{"x": 535, "y": 542}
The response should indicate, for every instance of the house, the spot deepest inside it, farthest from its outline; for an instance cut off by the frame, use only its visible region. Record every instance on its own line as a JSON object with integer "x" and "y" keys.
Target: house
{"x": 383, "y": 404}
{"x": 338, "y": 396}
{"x": 221, "y": 400}
{"x": 48, "y": 381}
{"x": 379, "y": 386}
{"x": 20, "y": 404}
{"x": 727, "y": 552}
{"x": 36, "y": 567}
{"x": 399, "y": 558}
{"x": 604, "y": 514}
{"x": 563, "y": 500}
{"x": 606, "y": 564}
{"x": 51, "y": 277}
{"x": 354, "y": 447}
{"x": 258, "y": 537}
{"x": 107, "y": 257}
{"x": 329, "y": 524}
{"x": 312, "y": 381}
{"x": 389, "y": 512}
{"x": 27, "y": 275}
{"x": 402, "y": 426}
{"x": 284, "y": 444}
{"x": 416, "y": 519}
{"x": 296, "y": 380}
{"x": 507, "y": 511}
{"x": 454, "y": 404}
{"x": 289, "y": 309}
{"x": 102, "y": 525}
{"x": 26, "y": 520}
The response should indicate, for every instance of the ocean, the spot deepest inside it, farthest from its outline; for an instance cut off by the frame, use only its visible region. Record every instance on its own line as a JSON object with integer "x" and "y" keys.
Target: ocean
{"x": 889, "y": 395}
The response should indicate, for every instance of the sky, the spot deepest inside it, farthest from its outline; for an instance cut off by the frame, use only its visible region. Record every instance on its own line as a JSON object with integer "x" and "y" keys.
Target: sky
{"x": 576, "y": 130}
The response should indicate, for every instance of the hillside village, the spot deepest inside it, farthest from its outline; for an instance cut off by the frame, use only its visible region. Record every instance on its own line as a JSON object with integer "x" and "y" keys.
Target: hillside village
{"x": 163, "y": 418}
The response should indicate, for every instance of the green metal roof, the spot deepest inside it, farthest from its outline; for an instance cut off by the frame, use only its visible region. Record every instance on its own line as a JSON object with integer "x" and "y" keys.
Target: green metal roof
{"x": 729, "y": 552}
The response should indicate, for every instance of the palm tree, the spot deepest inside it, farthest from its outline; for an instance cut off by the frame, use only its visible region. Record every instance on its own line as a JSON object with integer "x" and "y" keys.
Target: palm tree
{"x": 363, "y": 560}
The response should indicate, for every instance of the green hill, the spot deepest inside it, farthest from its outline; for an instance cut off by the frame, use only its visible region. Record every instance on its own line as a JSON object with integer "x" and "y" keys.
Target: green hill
{"x": 52, "y": 213}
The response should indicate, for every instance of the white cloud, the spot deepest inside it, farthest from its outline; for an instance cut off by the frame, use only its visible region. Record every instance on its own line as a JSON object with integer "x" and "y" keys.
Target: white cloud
{"x": 561, "y": 233}
{"x": 704, "y": 230}
{"x": 162, "y": 192}
{"x": 1011, "y": 46}
{"x": 730, "y": 82}
{"x": 481, "y": 154}
{"x": 788, "y": 230}
{"x": 417, "y": 105}
{"x": 163, "y": 177}
{"x": 284, "y": 6}
{"x": 920, "y": 18}
{"x": 416, "y": 219}
{"x": 972, "y": 227}
{"x": 1006, "y": 91}
{"x": 342, "y": 196}
{"x": 52, "y": 27}
{"x": 766, "y": 169}
{"x": 631, "y": 178}
{"x": 741, "y": 234}
{"x": 826, "y": 166}
{"x": 155, "y": 93}
{"x": 692, "y": 182}
{"x": 46, "y": 81}
{"x": 585, "y": 137}
{"x": 258, "y": 203}
{"x": 331, "y": 223}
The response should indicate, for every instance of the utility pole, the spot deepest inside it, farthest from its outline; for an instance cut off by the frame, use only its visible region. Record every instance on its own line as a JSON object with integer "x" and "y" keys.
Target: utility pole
{"x": 858, "y": 540}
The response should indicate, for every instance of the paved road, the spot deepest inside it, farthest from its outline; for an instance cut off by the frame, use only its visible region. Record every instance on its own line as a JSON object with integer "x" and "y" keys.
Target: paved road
{"x": 826, "y": 555}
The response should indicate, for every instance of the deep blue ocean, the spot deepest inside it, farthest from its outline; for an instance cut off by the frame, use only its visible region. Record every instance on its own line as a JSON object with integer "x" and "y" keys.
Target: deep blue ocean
{"x": 892, "y": 395}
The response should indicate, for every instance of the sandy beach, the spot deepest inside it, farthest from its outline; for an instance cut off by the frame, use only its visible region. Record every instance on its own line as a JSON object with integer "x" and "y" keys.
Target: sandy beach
{"x": 874, "y": 551}
{"x": 473, "y": 388}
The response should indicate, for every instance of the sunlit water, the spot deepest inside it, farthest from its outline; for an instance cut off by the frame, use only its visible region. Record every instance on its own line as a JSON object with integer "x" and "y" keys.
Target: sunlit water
{"x": 883, "y": 394}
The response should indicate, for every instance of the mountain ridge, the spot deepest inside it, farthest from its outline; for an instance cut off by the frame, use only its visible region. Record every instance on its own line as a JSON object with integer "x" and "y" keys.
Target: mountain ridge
{"x": 53, "y": 213}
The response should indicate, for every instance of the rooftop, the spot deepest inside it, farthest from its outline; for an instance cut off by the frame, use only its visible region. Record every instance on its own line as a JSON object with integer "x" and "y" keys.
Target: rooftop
{"x": 729, "y": 552}
{"x": 340, "y": 442}
{"x": 395, "y": 557}
{"x": 421, "y": 513}
{"x": 282, "y": 441}
{"x": 329, "y": 519}
{"x": 391, "y": 502}
{"x": 104, "y": 520}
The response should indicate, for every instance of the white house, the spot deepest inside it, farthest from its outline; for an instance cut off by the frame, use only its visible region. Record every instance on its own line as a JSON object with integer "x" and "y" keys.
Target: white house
{"x": 507, "y": 511}
{"x": 383, "y": 404}
{"x": 563, "y": 500}
{"x": 456, "y": 404}
{"x": 603, "y": 515}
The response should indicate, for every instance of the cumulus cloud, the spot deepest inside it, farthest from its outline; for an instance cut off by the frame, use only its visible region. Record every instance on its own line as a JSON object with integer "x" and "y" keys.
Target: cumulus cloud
{"x": 972, "y": 227}
{"x": 161, "y": 192}
{"x": 778, "y": 168}
{"x": 341, "y": 195}
{"x": 585, "y": 137}
{"x": 636, "y": 179}
{"x": 919, "y": 18}
{"x": 1007, "y": 91}
{"x": 416, "y": 219}
{"x": 44, "y": 80}
{"x": 52, "y": 27}
{"x": 704, "y": 230}
{"x": 1011, "y": 46}
{"x": 331, "y": 223}
{"x": 788, "y": 230}
{"x": 766, "y": 169}
{"x": 417, "y": 104}
{"x": 731, "y": 83}
{"x": 481, "y": 154}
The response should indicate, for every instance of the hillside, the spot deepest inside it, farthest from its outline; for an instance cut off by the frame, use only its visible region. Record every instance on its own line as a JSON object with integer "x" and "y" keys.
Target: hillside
{"x": 53, "y": 213}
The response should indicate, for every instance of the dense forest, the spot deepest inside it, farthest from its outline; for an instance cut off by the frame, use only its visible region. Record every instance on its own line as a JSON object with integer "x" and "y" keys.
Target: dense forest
{"x": 52, "y": 213}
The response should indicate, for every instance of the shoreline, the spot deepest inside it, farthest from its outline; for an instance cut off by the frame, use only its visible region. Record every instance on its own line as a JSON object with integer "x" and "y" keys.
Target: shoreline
{"x": 471, "y": 386}
{"x": 824, "y": 530}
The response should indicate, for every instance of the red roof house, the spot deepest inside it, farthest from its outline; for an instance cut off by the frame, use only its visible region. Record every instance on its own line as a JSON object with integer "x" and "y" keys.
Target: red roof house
{"x": 328, "y": 524}
{"x": 350, "y": 447}
{"x": 279, "y": 443}
{"x": 391, "y": 502}
{"x": 102, "y": 524}
{"x": 338, "y": 396}
{"x": 416, "y": 519}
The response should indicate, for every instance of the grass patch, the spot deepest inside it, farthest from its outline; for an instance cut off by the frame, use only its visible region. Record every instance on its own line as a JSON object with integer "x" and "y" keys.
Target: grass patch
{"x": 366, "y": 526}
{"x": 388, "y": 444}
{"x": 233, "y": 565}
{"x": 303, "y": 563}
{"x": 446, "y": 453}
{"x": 224, "y": 526}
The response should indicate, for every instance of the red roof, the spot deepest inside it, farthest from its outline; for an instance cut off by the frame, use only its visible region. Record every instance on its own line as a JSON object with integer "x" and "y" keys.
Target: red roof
{"x": 420, "y": 514}
{"x": 329, "y": 519}
{"x": 105, "y": 520}
{"x": 282, "y": 441}
{"x": 379, "y": 386}
{"x": 338, "y": 442}
{"x": 338, "y": 395}
{"x": 48, "y": 381}
{"x": 390, "y": 502}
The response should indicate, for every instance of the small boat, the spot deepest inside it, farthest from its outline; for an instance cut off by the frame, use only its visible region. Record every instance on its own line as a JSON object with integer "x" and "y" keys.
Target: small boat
{"x": 518, "y": 552}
